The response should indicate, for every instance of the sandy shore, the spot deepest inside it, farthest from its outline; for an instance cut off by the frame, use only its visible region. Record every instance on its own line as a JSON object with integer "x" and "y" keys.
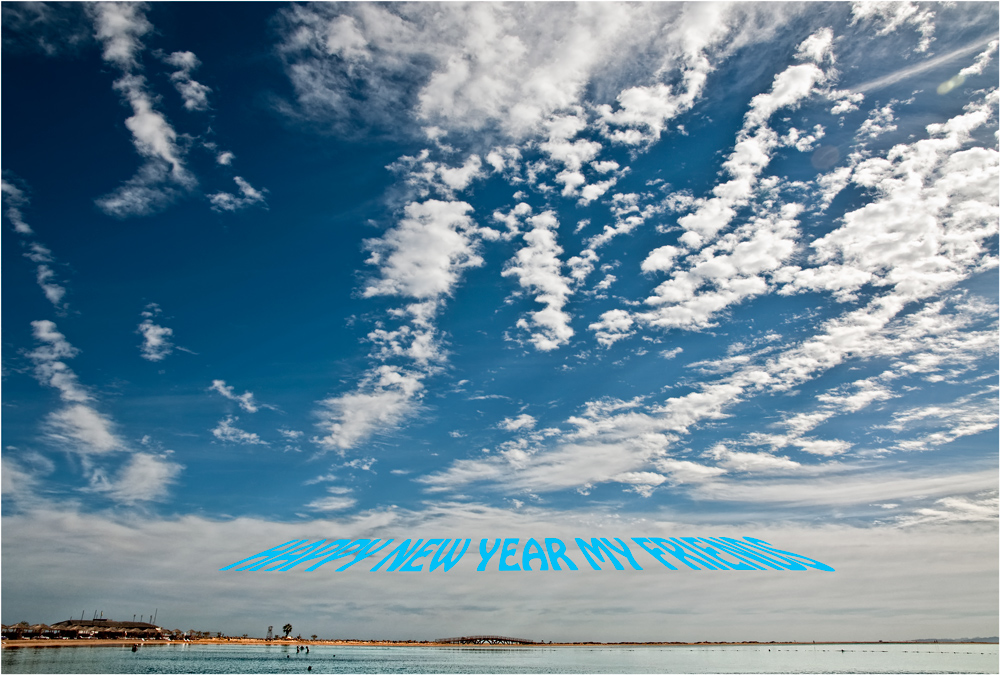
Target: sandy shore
{"x": 127, "y": 644}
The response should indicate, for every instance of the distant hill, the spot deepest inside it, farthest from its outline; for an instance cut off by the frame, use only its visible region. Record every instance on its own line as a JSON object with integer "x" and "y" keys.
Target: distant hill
{"x": 992, "y": 640}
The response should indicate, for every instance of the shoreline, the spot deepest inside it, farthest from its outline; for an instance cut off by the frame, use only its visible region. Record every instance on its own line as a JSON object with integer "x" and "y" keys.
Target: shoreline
{"x": 127, "y": 643}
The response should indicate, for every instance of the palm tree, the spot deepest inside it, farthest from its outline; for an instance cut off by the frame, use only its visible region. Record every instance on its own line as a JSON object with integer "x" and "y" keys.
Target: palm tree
{"x": 287, "y": 628}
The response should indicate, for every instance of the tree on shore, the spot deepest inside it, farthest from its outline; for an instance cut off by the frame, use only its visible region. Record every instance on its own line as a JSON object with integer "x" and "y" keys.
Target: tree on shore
{"x": 287, "y": 628}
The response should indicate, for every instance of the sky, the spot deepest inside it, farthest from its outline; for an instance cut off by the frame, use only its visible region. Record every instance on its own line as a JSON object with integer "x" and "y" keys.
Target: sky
{"x": 277, "y": 271}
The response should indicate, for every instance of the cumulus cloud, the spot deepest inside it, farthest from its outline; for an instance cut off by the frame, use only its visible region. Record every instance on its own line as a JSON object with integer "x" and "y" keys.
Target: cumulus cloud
{"x": 50, "y": 365}
{"x": 538, "y": 268}
{"x": 15, "y": 199}
{"x": 156, "y": 344}
{"x": 480, "y": 64}
{"x": 383, "y": 399}
{"x": 459, "y": 69}
{"x": 423, "y": 255}
{"x": 78, "y": 426}
{"x": 937, "y": 205}
{"x": 420, "y": 261}
{"x": 227, "y": 432}
{"x": 736, "y": 266}
{"x": 521, "y": 422}
{"x": 879, "y": 122}
{"x": 615, "y": 324}
{"x": 751, "y": 462}
{"x": 248, "y": 196}
{"x": 628, "y": 215}
{"x": 194, "y": 93}
{"x": 752, "y": 153}
{"x": 120, "y": 27}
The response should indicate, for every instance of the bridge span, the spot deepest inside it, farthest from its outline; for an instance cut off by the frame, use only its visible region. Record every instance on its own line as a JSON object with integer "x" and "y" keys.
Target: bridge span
{"x": 486, "y": 640}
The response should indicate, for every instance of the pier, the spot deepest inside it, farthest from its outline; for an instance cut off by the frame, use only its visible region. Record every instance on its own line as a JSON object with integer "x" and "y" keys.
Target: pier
{"x": 486, "y": 640}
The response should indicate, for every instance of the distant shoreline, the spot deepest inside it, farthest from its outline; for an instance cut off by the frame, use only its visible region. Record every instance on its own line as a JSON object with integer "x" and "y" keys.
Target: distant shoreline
{"x": 127, "y": 643}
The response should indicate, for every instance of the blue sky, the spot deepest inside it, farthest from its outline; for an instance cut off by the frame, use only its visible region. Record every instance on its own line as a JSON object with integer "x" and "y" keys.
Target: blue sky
{"x": 380, "y": 270}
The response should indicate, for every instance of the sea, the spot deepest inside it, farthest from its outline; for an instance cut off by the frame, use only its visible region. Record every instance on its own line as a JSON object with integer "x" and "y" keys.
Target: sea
{"x": 757, "y": 658}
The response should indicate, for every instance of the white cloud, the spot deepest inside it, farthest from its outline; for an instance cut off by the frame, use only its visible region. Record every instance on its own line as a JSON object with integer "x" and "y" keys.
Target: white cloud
{"x": 465, "y": 69}
{"x": 194, "y": 93}
{"x": 152, "y": 135}
{"x": 53, "y": 292}
{"x": 417, "y": 343}
{"x": 982, "y": 60}
{"x": 361, "y": 464}
{"x": 863, "y": 488}
{"x": 156, "y": 344}
{"x": 384, "y": 398}
{"x": 145, "y": 193}
{"x": 879, "y": 122}
{"x": 628, "y": 216}
{"x": 615, "y": 324}
{"x": 226, "y": 201}
{"x": 425, "y": 176}
{"x": 538, "y": 268}
{"x": 735, "y": 265}
{"x": 889, "y": 16}
{"x": 77, "y": 426}
{"x": 145, "y": 478}
{"x": 661, "y": 259}
{"x": 523, "y": 421}
{"x": 917, "y": 68}
{"x": 227, "y": 433}
{"x": 120, "y": 27}
{"x": 15, "y": 198}
{"x": 683, "y": 471}
{"x": 751, "y": 462}
{"x": 459, "y": 178}
{"x": 50, "y": 367}
{"x": 423, "y": 255}
{"x": 21, "y": 482}
{"x": 245, "y": 400}
{"x": 818, "y": 47}
{"x": 752, "y": 153}
{"x": 966, "y": 417}
{"x": 734, "y": 268}
{"x": 82, "y": 429}
{"x": 936, "y": 206}
{"x": 980, "y": 508}
{"x": 333, "y": 503}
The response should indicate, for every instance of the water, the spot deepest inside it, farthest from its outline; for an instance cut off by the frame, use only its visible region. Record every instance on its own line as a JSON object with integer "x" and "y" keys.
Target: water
{"x": 186, "y": 658}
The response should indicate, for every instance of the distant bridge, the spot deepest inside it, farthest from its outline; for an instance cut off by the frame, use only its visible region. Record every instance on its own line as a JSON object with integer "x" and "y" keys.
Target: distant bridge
{"x": 486, "y": 640}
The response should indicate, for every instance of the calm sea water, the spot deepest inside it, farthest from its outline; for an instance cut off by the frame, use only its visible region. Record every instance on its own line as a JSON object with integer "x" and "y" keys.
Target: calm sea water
{"x": 874, "y": 658}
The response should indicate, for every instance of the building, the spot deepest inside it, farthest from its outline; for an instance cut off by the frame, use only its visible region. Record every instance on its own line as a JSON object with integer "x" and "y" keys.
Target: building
{"x": 106, "y": 628}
